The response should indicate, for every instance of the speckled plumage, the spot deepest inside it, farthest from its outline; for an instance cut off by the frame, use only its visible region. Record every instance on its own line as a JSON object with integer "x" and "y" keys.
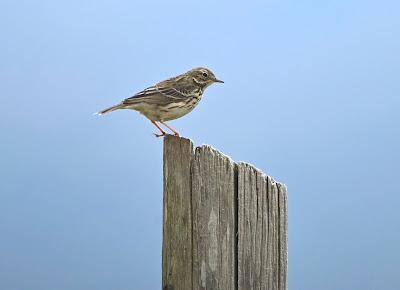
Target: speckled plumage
{"x": 169, "y": 99}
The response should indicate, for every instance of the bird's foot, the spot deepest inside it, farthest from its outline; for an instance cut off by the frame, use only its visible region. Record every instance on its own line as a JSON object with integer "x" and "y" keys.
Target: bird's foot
{"x": 160, "y": 135}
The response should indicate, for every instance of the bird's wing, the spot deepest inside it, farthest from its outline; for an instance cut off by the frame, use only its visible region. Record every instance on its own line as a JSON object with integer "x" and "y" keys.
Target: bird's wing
{"x": 164, "y": 92}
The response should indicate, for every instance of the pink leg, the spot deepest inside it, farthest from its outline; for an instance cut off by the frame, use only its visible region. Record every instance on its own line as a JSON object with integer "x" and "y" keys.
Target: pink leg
{"x": 159, "y": 128}
{"x": 172, "y": 129}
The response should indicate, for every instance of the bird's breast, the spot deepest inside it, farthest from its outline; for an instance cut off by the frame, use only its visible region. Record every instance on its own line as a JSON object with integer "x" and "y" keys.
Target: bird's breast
{"x": 176, "y": 110}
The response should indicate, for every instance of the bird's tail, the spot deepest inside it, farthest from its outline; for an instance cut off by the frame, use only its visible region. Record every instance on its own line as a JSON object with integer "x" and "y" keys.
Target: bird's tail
{"x": 110, "y": 109}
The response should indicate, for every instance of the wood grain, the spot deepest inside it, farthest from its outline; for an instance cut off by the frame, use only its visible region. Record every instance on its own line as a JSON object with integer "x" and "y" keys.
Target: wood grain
{"x": 214, "y": 223}
{"x": 225, "y": 223}
{"x": 262, "y": 231}
{"x": 177, "y": 221}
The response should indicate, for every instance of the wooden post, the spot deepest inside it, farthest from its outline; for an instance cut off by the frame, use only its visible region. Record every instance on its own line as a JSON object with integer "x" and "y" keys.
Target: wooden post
{"x": 177, "y": 225}
{"x": 225, "y": 223}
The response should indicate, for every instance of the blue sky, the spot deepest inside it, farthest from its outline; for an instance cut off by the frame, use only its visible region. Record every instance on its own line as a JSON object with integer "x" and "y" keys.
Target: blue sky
{"x": 311, "y": 97}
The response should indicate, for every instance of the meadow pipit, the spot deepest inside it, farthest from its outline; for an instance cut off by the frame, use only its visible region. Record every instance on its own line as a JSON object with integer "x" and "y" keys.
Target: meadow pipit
{"x": 169, "y": 99}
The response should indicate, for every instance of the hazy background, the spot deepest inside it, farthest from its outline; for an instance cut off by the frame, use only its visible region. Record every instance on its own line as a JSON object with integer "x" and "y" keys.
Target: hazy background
{"x": 311, "y": 97}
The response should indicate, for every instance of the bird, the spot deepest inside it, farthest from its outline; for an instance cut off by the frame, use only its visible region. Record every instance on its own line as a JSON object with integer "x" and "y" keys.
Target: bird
{"x": 169, "y": 99}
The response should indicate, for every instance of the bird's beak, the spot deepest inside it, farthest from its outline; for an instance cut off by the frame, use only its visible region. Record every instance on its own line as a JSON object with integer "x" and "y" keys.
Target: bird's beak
{"x": 218, "y": 81}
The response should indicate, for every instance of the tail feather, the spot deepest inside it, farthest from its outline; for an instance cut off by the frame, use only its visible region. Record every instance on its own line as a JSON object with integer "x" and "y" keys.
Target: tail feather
{"x": 110, "y": 109}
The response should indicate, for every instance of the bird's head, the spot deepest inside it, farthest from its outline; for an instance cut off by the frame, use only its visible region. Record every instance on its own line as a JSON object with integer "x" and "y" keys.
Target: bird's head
{"x": 203, "y": 77}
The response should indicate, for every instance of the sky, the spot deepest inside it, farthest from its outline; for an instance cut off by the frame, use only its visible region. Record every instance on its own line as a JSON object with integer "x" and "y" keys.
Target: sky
{"x": 311, "y": 97}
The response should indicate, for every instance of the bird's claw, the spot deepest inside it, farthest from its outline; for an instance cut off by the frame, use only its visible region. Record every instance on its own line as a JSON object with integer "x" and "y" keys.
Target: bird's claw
{"x": 159, "y": 135}
{"x": 163, "y": 134}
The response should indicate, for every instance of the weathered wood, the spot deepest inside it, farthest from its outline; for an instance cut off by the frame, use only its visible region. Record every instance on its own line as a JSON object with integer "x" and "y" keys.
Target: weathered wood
{"x": 283, "y": 236}
{"x": 225, "y": 224}
{"x": 262, "y": 231}
{"x": 214, "y": 223}
{"x": 177, "y": 229}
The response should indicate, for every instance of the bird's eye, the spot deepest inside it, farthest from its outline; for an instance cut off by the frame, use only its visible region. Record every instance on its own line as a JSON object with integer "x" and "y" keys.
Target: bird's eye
{"x": 205, "y": 74}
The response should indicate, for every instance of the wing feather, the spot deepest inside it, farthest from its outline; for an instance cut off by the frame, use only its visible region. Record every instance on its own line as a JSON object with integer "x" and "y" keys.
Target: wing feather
{"x": 163, "y": 93}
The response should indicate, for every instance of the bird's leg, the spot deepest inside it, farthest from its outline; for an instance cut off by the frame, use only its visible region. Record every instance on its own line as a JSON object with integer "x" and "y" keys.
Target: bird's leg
{"x": 172, "y": 129}
{"x": 159, "y": 128}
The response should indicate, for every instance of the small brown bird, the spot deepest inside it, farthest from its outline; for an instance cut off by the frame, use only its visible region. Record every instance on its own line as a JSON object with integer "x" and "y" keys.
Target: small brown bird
{"x": 169, "y": 99}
